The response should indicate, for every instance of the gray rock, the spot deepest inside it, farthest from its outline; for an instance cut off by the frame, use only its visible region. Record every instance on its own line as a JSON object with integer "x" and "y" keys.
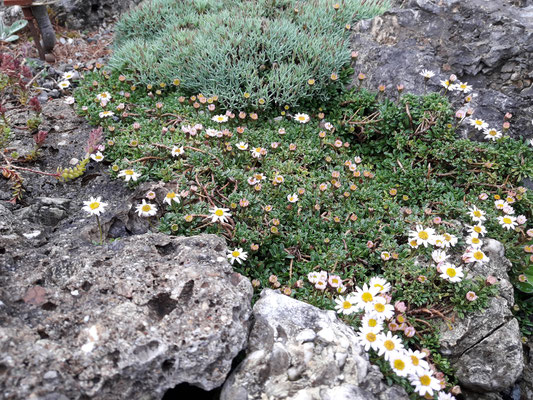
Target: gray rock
{"x": 297, "y": 352}
{"x": 128, "y": 319}
{"x": 78, "y": 14}
{"x": 485, "y": 346}
{"x": 526, "y": 382}
{"x": 495, "y": 363}
{"x": 488, "y": 44}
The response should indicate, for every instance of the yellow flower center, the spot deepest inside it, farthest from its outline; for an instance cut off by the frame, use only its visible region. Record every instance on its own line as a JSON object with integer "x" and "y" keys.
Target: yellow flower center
{"x": 507, "y": 220}
{"x": 94, "y": 205}
{"x": 451, "y": 272}
{"x": 389, "y": 345}
{"x": 413, "y": 242}
{"x": 476, "y": 240}
{"x": 346, "y": 305}
{"x": 477, "y": 213}
{"x": 423, "y": 235}
{"x": 171, "y": 195}
{"x": 379, "y": 307}
{"x": 492, "y": 132}
{"x": 447, "y": 237}
{"x": 425, "y": 380}
{"x": 367, "y": 297}
{"x": 399, "y": 365}
{"x": 477, "y": 229}
{"x": 414, "y": 360}
{"x": 371, "y": 337}
{"x": 372, "y": 323}
{"x": 219, "y": 213}
{"x": 478, "y": 255}
{"x": 128, "y": 172}
{"x": 146, "y": 208}
{"x": 235, "y": 253}
{"x": 479, "y": 122}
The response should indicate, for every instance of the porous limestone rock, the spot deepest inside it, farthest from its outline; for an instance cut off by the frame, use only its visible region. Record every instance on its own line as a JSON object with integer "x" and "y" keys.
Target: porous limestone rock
{"x": 299, "y": 352}
{"x": 488, "y": 44}
{"x": 129, "y": 319}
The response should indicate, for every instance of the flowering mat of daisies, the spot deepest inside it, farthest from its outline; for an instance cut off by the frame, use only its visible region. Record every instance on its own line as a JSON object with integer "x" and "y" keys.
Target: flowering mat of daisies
{"x": 367, "y": 206}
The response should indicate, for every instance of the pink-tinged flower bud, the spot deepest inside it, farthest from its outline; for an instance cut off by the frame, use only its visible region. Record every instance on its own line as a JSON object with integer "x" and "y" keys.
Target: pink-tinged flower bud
{"x": 506, "y": 125}
{"x": 354, "y": 55}
{"x": 471, "y": 296}
{"x": 437, "y": 220}
{"x": 452, "y": 78}
{"x": 508, "y": 116}
{"x": 370, "y": 244}
{"x": 460, "y": 114}
{"x": 491, "y": 280}
{"x": 409, "y": 331}
{"x": 400, "y": 306}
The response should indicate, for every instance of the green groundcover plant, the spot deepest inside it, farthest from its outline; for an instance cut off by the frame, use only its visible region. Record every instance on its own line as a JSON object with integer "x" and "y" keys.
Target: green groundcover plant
{"x": 319, "y": 204}
{"x": 341, "y": 198}
{"x": 251, "y": 53}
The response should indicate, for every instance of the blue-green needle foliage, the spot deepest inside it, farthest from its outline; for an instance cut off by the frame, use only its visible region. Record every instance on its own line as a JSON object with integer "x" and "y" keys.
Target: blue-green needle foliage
{"x": 249, "y": 53}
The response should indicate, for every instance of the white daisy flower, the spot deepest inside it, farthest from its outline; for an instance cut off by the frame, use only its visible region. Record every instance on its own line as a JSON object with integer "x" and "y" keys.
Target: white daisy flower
{"x": 302, "y": 118}
{"x": 365, "y": 295}
{"x": 475, "y": 255}
{"x": 237, "y": 255}
{"x": 463, "y": 87}
{"x": 220, "y": 118}
{"x": 177, "y": 151}
{"x": 380, "y": 309}
{"x": 439, "y": 241}
{"x": 478, "y": 229}
{"x": 105, "y": 114}
{"x": 371, "y": 322}
{"x": 95, "y": 206}
{"x": 447, "y": 84}
{"x": 68, "y": 75}
{"x": 439, "y": 256}
{"x": 449, "y": 240}
{"x": 401, "y": 364}
{"x": 492, "y": 134}
{"x": 423, "y": 236}
{"x": 345, "y": 305}
{"x": 508, "y": 222}
{"x": 242, "y": 146}
{"x": 427, "y": 74}
{"x": 425, "y": 383}
{"x": 368, "y": 339}
{"x": 104, "y": 96}
{"x": 477, "y": 123}
{"x": 312, "y": 277}
{"x": 146, "y": 209}
{"x": 70, "y": 100}
{"x": 63, "y": 84}
{"x": 258, "y": 152}
{"x": 500, "y": 204}
{"x": 171, "y": 197}
{"x": 508, "y": 209}
{"x": 417, "y": 359}
{"x": 98, "y": 156}
{"x": 219, "y": 214}
{"x": 292, "y": 198}
{"x": 380, "y": 283}
{"x": 474, "y": 241}
{"x": 451, "y": 273}
{"x": 476, "y": 214}
{"x": 388, "y": 344}
{"x": 128, "y": 174}
{"x": 521, "y": 219}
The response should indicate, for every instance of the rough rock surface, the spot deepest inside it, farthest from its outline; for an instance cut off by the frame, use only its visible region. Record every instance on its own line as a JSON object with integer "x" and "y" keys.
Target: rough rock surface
{"x": 128, "y": 319}
{"x": 79, "y": 14}
{"x": 488, "y": 44}
{"x": 299, "y": 352}
{"x": 486, "y": 347}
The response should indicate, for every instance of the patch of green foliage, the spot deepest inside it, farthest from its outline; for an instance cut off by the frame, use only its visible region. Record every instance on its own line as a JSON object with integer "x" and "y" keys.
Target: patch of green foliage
{"x": 250, "y": 53}
{"x": 413, "y": 170}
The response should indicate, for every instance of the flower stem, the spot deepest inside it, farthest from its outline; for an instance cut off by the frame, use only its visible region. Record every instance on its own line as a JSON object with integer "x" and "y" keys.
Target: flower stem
{"x": 99, "y": 230}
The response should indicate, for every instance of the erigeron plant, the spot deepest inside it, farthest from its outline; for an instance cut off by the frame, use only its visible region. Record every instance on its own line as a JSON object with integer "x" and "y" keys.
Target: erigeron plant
{"x": 335, "y": 190}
